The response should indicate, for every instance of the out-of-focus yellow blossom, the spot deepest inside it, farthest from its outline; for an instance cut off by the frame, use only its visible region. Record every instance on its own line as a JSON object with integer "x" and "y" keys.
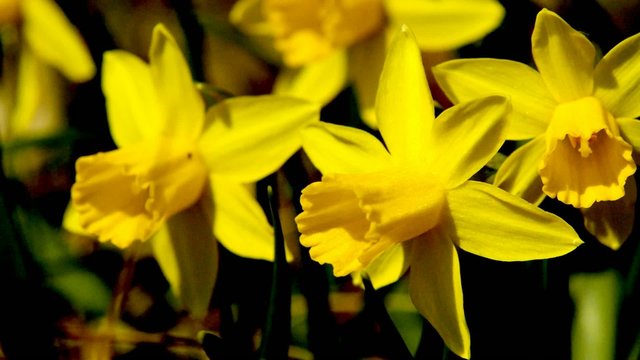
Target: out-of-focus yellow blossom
{"x": 171, "y": 155}
{"x": 31, "y": 96}
{"x": 50, "y": 36}
{"x": 380, "y": 208}
{"x": 327, "y": 43}
{"x": 580, "y": 118}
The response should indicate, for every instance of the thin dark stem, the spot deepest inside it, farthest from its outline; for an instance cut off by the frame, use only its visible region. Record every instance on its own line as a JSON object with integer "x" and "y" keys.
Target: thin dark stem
{"x": 277, "y": 330}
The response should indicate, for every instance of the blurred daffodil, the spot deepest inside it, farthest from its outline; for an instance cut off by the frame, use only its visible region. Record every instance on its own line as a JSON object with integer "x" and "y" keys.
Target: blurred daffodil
{"x": 326, "y": 44}
{"x": 580, "y": 118}
{"x": 50, "y": 36}
{"x": 381, "y": 208}
{"x": 31, "y": 90}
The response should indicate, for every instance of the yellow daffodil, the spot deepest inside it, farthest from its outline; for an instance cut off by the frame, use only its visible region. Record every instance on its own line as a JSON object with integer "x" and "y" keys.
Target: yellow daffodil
{"x": 50, "y": 36}
{"x": 171, "y": 155}
{"x": 580, "y": 118}
{"x": 31, "y": 90}
{"x": 381, "y": 208}
{"x": 325, "y": 43}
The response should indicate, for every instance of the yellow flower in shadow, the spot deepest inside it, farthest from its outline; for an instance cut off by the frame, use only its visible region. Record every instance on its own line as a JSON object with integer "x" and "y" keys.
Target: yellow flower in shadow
{"x": 326, "y": 44}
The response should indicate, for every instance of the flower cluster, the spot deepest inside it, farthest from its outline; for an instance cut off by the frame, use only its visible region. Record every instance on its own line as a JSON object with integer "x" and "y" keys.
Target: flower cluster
{"x": 396, "y": 195}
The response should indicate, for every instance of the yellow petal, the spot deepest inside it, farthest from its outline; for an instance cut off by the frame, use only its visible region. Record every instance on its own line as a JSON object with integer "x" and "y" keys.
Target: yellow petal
{"x": 586, "y": 159}
{"x": 366, "y": 59}
{"x": 564, "y": 57}
{"x": 342, "y": 149}
{"x": 247, "y": 16}
{"x": 467, "y": 79}
{"x": 134, "y": 110}
{"x": 153, "y": 180}
{"x": 519, "y": 176}
{"x": 55, "y": 40}
{"x": 436, "y": 290}
{"x": 250, "y": 137}
{"x": 389, "y": 266}
{"x": 404, "y": 107}
{"x": 39, "y": 101}
{"x": 466, "y": 136}
{"x": 616, "y": 79}
{"x": 612, "y": 221}
{"x": 492, "y": 223}
{"x": 239, "y": 222}
{"x": 446, "y": 25}
{"x": 333, "y": 226}
{"x": 183, "y": 105}
{"x": 320, "y": 81}
{"x": 630, "y": 130}
{"x": 188, "y": 257}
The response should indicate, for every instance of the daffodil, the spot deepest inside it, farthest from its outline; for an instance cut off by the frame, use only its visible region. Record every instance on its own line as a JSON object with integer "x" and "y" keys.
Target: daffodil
{"x": 180, "y": 167}
{"x": 579, "y": 116}
{"x": 50, "y": 36}
{"x": 325, "y": 44}
{"x": 31, "y": 90}
{"x": 381, "y": 208}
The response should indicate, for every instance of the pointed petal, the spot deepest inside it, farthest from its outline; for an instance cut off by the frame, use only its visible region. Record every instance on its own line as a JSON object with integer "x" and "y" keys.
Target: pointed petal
{"x": 465, "y": 137}
{"x": 446, "y": 25}
{"x": 389, "y": 266}
{"x": 251, "y": 137}
{"x": 188, "y": 256}
{"x": 342, "y": 149}
{"x": 239, "y": 223}
{"x": 519, "y": 176}
{"x": 467, "y": 79}
{"x": 612, "y": 221}
{"x": 436, "y": 290}
{"x": 170, "y": 73}
{"x": 404, "y": 106}
{"x": 320, "y": 81}
{"x": 630, "y": 129}
{"x": 617, "y": 77}
{"x": 134, "y": 110}
{"x": 564, "y": 57}
{"x": 366, "y": 59}
{"x": 497, "y": 225}
{"x": 55, "y": 40}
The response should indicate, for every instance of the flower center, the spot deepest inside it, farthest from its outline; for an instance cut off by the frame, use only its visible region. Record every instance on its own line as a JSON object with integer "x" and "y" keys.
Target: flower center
{"x": 126, "y": 194}
{"x": 349, "y": 219}
{"x": 586, "y": 159}
{"x": 308, "y": 30}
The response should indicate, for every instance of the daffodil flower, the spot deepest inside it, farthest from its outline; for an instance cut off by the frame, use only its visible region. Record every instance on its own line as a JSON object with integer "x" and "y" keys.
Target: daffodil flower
{"x": 31, "y": 96}
{"x": 326, "y": 44}
{"x": 177, "y": 166}
{"x": 49, "y": 34}
{"x": 579, "y": 117}
{"x": 381, "y": 208}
